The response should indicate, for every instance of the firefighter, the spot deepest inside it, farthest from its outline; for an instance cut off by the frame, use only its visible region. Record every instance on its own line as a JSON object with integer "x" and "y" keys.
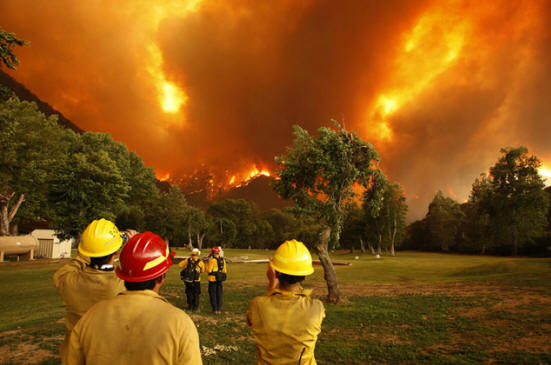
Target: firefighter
{"x": 192, "y": 268}
{"x": 138, "y": 326}
{"x": 89, "y": 277}
{"x": 286, "y": 321}
{"x": 217, "y": 270}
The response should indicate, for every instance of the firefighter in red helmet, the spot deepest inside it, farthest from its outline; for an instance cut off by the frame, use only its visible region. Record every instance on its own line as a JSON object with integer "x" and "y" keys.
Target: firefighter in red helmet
{"x": 217, "y": 270}
{"x": 138, "y": 326}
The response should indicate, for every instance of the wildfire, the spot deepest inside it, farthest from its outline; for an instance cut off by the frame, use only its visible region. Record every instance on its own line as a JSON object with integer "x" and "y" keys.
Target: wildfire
{"x": 164, "y": 177}
{"x": 430, "y": 48}
{"x": 171, "y": 97}
{"x": 247, "y": 176}
{"x": 544, "y": 172}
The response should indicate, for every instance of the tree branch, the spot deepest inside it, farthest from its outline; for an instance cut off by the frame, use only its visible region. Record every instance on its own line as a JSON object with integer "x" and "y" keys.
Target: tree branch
{"x": 16, "y": 207}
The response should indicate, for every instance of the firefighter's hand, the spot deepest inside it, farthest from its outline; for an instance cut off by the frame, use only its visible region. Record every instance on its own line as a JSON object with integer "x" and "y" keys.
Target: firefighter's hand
{"x": 129, "y": 233}
{"x": 272, "y": 278}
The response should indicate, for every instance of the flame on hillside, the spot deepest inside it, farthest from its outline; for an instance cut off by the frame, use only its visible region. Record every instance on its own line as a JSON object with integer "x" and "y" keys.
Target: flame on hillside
{"x": 545, "y": 172}
{"x": 162, "y": 177}
{"x": 244, "y": 178}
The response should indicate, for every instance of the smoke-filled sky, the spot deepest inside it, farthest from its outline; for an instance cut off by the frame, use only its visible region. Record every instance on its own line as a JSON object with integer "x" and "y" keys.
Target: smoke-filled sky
{"x": 437, "y": 86}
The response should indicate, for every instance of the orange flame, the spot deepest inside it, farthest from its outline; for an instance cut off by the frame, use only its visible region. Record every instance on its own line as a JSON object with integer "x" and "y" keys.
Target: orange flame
{"x": 171, "y": 97}
{"x": 245, "y": 177}
{"x": 544, "y": 172}
{"x": 428, "y": 50}
{"x": 164, "y": 177}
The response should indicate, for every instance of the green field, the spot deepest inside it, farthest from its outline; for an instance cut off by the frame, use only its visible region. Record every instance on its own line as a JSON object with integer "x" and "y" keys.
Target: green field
{"x": 412, "y": 308}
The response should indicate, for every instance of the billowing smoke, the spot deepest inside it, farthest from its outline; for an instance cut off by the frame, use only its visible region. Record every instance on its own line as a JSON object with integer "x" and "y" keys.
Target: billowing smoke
{"x": 437, "y": 87}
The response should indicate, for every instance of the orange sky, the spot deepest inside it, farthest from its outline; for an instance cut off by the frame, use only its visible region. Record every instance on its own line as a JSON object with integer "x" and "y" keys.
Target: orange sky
{"x": 437, "y": 87}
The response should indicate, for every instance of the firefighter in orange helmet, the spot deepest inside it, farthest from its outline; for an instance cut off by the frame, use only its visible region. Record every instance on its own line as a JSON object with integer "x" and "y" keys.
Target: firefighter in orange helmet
{"x": 89, "y": 277}
{"x": 286, "y": 321}
{"x": 138, "y": 326}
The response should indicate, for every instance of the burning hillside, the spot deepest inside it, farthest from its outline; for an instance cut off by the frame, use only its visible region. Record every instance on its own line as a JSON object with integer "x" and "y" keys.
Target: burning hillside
{"x": 437, "y": 87}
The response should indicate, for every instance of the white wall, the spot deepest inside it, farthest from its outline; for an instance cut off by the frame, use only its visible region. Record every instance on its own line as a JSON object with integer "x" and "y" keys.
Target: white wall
{"x": 61, "y": 249}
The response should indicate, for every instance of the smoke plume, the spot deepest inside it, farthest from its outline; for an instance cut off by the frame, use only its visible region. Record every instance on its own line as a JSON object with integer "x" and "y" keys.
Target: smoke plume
{"x": 437, "y": 87}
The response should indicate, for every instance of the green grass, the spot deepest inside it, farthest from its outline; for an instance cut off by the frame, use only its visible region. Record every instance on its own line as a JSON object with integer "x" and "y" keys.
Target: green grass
{"x": 412, "y": 308}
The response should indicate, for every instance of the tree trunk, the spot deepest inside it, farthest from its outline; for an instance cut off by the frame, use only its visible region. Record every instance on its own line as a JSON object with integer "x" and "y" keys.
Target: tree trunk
{"x": 7, "y": 214}
{"x": 189, "y": 241}
{"x": 200, "y": 238}
{"x": 371, "y": 249}
{"x": 362, "y": 245}
{"x": 483, "y": 251}
{"x": 379, "y": 244}
{"x": 329, "y": 274}
{"x": 515, "y": 244}
{"x": 352, "y": 249}
{"x": 393, "y": 239}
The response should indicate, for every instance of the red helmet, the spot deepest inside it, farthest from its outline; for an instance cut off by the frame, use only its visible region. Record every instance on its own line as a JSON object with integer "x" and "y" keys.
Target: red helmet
{"x": 216, "y": 249}
{"x": 145, "y": 257}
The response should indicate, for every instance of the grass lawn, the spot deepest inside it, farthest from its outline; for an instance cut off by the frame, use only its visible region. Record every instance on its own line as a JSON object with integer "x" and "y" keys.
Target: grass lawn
{"x": 412, "y": 308}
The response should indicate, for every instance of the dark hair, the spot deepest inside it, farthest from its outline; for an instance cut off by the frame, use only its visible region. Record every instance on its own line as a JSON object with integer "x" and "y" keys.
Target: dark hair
{"x": 141, "y": 285}
{"x": 98, "y": 261}
{"x": 290, "y": 279}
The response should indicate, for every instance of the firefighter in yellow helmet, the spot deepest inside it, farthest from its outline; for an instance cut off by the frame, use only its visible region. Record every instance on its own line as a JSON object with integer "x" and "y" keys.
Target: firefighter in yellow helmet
{"x": 192, "y": 268}
{"x": 286, "y": 321}
{"x": 217, "y": 271}
{"x": 138, "y": 326}
{"x": 89, "y": 277}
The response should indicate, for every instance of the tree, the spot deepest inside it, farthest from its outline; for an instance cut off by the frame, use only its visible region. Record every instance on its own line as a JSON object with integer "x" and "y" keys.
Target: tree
{"x": 86, "y": 186}
{"x": 167, "y": 215}
{"x": 513, "y": 199}
{"x": 7, "y": 42}
{"x": 243, "y": 217}
{"x": 197, "y": 225}
{"x": 283, "y": 226}
{"x": 443, "y": 221}
{"x": 320, "y": 175}
{"x": 354, "y": 228}
{"x": 30, "y": 146}
{"x": 390, "y": 223}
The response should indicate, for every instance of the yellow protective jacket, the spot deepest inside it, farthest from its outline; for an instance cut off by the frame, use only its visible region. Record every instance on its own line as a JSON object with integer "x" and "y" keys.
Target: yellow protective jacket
{"x": 285, "y": 326}
{"x": 212, "y": 266}
{"x": 136, "y": 327}
{"x": 81, "y": 287}
{"x": 199, "y": 268}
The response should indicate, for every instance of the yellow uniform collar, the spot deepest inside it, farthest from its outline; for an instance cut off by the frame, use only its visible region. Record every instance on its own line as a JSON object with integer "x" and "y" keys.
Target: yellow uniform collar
{"x": 289, "y": 294}
{"x": 147, "y": 293}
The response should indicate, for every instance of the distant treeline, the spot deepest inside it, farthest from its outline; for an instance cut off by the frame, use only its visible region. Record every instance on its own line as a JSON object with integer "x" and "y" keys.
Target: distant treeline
{"x": 507, "y": 213}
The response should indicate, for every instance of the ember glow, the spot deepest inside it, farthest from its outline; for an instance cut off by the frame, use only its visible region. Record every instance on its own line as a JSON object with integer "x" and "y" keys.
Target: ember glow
{"x": 437, "y": 86}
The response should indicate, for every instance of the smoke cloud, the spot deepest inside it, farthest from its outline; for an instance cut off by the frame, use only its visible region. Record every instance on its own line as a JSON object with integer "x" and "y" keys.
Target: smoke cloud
{"x": 437, "y": 87}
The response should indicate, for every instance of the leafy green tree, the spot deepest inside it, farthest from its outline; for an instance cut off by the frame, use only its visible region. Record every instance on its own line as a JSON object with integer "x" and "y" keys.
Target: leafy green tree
{"x": 84, "y": 187}
{"x": 513, "y": 199}
{"x": 140, "y": 179}
{"x": 222, "y": 231}
{"x": 30, "y": 146}
{"x": 283, "y": 226}
{"x": 243, "y": 216}
{"x": 354, "y": 228}
{"x": 197, "y": 224}
{"x": 389, "y": 225}
{"x": 167, "y": 215}
{"x": 320, "y": 175}
{"x": 477, "y": 227}
{"x": 7, "y": 42}
{"x": 443, "y": 221}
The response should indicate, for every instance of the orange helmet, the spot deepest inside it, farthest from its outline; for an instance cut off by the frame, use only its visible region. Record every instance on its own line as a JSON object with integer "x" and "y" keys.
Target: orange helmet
{"x": 145, "y": 257}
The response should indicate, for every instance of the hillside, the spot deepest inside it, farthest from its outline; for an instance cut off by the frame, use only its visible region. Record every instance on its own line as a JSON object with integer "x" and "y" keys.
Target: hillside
{"x": 25, "y": 94}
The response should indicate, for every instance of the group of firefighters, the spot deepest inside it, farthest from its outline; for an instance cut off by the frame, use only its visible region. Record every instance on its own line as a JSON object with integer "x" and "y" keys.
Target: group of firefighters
{"x": 115, "y": 314}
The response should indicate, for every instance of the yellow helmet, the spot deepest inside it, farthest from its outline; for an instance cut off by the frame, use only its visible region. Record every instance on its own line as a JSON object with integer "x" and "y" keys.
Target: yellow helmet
{"x": 100, "y": 238}
{"x": 293, "y": 258}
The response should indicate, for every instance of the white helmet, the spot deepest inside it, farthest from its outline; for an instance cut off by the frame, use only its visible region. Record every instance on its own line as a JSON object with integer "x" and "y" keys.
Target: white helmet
{"x": 195, "y": 252}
